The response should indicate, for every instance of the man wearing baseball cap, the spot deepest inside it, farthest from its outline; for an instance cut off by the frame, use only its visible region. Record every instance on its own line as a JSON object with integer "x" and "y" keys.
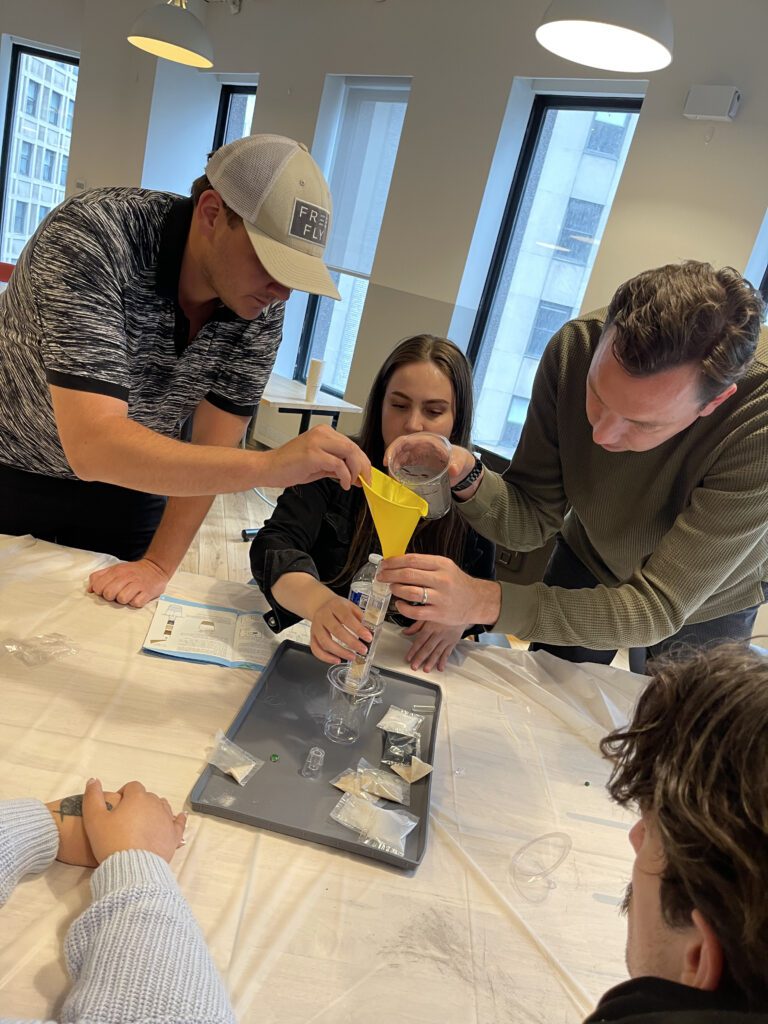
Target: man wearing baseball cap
{"x": 131, "y": 313}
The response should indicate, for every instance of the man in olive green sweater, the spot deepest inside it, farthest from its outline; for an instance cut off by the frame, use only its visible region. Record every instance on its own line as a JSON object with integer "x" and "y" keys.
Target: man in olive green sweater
{"x": 645, "y": 450}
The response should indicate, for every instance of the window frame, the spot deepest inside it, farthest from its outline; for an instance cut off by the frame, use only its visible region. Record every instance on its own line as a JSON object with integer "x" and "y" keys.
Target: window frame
{"x": 357, "y": 89}
{"x": 542, "y": 104}
{"x": 222, "y": 115}
{"x": 304, "y": 350}
{"x": 301, "y": 367}
{"x": 18, "y": 50}
{"x": 763, "y": 287}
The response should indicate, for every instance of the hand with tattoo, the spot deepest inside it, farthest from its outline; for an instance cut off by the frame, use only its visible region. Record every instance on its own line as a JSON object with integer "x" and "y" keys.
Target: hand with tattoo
{"x": 139, "y": 821}
{"x": 74, "y": 847}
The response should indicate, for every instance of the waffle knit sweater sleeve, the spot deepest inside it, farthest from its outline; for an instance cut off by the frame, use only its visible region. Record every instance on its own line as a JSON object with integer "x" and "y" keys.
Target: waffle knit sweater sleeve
{"x": 675, "y": 534}
{"x": 136, "y": 954}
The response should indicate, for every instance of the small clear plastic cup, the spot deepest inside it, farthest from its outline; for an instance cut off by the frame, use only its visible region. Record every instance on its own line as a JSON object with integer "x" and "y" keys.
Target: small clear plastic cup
{"x": 349, "y": 704}
{"x": 420, "y": 462}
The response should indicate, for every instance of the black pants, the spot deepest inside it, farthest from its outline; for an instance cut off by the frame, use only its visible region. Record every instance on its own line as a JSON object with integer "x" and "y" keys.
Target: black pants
{"x": 93, "y": 516}
{"x": 565, "y": 570}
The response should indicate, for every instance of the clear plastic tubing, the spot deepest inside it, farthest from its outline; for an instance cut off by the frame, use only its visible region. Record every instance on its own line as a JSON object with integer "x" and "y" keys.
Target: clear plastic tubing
{"x": 373, "y": 619}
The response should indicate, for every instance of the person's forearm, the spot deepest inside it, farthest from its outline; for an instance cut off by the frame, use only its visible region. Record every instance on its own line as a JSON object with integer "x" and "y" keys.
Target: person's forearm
{"x": 183, "y": 517}
{"x": 300, "y": 593}
{"x": 602, "y": 618}
{"x": 508, "y": 515}
{"x": 123, "y": 452}
{"x": 178, "y": 527}
{"x": 137, "y": 953}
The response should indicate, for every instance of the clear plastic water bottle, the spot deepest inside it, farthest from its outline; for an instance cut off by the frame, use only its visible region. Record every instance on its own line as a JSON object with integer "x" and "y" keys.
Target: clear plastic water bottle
{"x": 360, "y": 588}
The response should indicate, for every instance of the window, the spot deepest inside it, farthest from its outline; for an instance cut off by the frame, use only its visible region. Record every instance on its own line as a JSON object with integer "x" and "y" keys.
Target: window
{"x": 606, "y": 133}
{"x": 577, "y": 235}
{"x": 54, "y": 107}
{"x": 763, "y": 286}
{"x": 560, "y": 197}
{"x": 20, "y": 218}
{"x": 25, "y": 158}
{"x": 236, "y": 105}
{"x": 365, "y": 133}
{"x": 550, "y": 317}
{"x": 30, "y": 110}
{"x": 42, "y": 211}
{"x": 48, "y": 161}
{"x": 30, "y": 103}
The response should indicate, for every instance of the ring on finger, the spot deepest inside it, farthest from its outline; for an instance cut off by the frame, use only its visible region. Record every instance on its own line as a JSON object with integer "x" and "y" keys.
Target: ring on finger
{"x": 424, "y": 596}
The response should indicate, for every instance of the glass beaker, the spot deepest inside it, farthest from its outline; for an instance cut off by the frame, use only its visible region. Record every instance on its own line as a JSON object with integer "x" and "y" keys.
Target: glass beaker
{"x": 349, "y": 704}
{"x": 420, "y": 462}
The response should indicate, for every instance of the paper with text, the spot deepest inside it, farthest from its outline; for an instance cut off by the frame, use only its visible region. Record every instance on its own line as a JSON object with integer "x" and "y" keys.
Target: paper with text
{"x": 202, "y": 632}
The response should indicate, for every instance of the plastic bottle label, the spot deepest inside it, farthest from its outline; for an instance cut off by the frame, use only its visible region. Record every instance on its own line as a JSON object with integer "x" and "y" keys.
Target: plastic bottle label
{"x": 359, "y": 595}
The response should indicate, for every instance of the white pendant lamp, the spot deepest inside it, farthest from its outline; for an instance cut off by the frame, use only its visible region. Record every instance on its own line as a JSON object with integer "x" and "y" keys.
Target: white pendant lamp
{"x": 169, "y": 30}
{"x": 613, "y": 35}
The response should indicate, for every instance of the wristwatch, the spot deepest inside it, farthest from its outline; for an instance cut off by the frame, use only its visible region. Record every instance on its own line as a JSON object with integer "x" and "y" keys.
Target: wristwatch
{"x": 471, "y": 476}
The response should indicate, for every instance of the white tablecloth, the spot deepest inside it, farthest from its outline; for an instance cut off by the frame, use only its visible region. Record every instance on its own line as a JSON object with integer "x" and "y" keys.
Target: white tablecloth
{"x": 301, "y": 932}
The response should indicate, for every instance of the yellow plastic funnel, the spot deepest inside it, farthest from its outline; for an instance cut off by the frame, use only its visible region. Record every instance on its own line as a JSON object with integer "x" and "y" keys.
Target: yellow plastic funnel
{"x": 395, "y": 509}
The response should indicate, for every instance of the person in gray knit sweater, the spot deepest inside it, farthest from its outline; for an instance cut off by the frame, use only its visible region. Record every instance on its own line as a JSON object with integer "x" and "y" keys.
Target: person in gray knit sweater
{"x": 136, "y": 953}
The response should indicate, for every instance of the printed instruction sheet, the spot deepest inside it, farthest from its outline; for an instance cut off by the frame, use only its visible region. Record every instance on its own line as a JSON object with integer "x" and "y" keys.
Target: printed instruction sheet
{"x": 202, "y": 632}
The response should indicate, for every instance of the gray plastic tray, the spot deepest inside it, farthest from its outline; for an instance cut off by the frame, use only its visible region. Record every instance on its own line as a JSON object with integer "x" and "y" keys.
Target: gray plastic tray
{"x": 283, "y": 715}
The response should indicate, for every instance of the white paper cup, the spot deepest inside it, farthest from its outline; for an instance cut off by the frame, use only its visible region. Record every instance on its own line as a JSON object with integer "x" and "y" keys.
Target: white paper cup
{"x": 314, "y": 378}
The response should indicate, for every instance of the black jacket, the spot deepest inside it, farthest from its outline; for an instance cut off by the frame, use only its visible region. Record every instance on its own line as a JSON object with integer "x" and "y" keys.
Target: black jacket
{"x": 655, "y": 1001}
{"x": 311, "y": 531}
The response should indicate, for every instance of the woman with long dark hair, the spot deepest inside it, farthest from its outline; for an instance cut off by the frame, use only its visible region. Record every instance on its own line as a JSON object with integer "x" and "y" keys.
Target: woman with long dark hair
{"x": 306, "y": 554}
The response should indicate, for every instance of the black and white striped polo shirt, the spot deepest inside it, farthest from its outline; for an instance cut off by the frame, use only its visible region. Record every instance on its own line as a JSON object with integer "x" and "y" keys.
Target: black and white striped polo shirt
{"x": 92, "y": 305}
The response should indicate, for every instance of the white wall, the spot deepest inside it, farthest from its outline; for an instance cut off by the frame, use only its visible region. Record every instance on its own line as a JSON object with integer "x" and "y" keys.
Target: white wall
{"x": 685, "y": 192}
{"x": 56, "y": 23}
{"x": 114, "y": 96}
{"x": 181, "y": 127}
{"x": 694, "y": 189}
